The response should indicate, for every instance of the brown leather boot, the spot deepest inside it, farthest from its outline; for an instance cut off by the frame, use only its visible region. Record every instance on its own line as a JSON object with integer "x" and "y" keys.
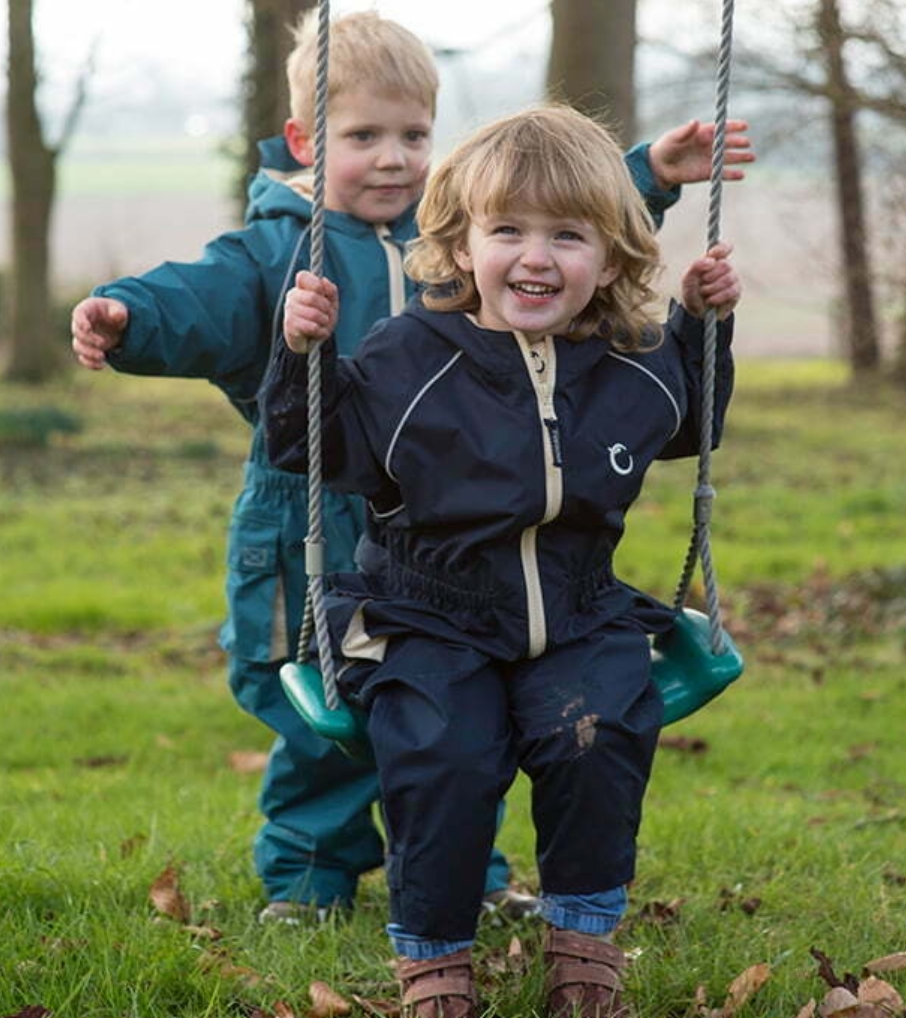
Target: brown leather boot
{"x": 583, "y": 976}
{"x": 438, "y": 987}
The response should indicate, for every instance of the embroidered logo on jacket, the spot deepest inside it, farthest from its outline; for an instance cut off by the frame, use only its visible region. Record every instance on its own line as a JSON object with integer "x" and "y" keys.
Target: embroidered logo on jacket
{"x": 620, "y": 459}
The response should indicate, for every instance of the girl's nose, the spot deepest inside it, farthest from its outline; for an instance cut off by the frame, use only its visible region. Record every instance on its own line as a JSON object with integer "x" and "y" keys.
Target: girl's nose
{"x": 536, "y": 252}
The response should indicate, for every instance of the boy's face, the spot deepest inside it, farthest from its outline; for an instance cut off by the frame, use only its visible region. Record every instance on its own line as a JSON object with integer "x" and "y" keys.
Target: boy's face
{"x": 534, "y": 272}
{"x": 378, "y": 154}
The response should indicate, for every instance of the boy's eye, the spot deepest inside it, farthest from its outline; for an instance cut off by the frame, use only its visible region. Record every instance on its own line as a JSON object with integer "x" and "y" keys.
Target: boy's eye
{"x": 362, "y": 135}
{"x": 506, "y": 229}
{"x": 416, "y": 136}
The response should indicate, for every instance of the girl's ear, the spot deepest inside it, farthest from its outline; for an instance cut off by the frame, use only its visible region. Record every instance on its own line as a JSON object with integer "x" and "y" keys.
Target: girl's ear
{"x": 608, "y": 274}
{"x": 463, "y": 259}
{"x": 299, "y": 142}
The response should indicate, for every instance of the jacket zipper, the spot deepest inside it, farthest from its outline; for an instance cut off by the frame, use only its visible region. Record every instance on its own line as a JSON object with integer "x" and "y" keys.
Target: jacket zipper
{"x": 553, "y": 489}
{"x": 395, "y": 276}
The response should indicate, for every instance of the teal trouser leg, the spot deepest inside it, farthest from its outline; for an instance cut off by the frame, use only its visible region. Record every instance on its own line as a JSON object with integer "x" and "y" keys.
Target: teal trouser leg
{"x": 498, "y": 876}
{"x": 319, "y": 835}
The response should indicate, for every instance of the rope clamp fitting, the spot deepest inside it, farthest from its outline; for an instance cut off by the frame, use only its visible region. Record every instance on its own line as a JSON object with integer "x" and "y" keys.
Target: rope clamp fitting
{"x": 314, "y": 557}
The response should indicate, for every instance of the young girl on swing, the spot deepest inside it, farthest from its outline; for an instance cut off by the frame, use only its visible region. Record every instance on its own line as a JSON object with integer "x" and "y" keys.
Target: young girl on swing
{"x": 500, "y": 429}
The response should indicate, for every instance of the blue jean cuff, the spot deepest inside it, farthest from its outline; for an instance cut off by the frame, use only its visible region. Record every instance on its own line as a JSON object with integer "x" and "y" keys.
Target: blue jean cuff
{"x": 596, "y": 914}
{"x": 409, "y": 945}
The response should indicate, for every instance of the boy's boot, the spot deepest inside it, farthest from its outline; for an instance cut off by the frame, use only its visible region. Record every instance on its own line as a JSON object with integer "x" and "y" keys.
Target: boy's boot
{"x": 583, "y": 976}
{"x": 438, "y": 987}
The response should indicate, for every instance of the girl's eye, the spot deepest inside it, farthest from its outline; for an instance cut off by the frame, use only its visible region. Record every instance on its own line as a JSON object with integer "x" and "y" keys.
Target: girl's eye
{"x": 569, "y": 235}
{"x": 505, "y": 229}
{"x": 362, "y": 135}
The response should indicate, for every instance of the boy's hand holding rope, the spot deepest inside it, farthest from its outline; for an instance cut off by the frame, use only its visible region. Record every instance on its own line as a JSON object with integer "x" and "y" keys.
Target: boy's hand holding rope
{"x": 310, "y": 311}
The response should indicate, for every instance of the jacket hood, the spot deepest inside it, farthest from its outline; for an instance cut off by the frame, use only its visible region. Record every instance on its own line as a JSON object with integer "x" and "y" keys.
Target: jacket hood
{"x": 281, "y": 187}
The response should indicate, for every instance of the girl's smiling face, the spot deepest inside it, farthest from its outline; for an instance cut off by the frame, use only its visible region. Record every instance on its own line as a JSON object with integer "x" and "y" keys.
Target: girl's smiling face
{"x": 534, "y": 272}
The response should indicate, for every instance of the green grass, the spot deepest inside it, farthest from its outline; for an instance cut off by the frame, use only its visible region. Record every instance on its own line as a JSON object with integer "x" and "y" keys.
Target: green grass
{"x": 146, "y": 167}
{"x": 776, "y": 818}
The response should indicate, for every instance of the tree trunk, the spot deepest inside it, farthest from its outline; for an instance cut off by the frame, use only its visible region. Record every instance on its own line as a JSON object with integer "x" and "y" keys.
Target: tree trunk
{"x": 592, "y": 60}
{"x": 861, "y": 327}
{"x": 266, "y": 90}
{"x": 32, "y": 355}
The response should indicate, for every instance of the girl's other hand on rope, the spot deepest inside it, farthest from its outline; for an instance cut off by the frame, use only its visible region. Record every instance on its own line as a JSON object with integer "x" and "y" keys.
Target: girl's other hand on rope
{"x": 683, "y": 154}
{"x": 310, "y": 311}
{"x": 712, "y": 282}
{"x": 97, "y": 326}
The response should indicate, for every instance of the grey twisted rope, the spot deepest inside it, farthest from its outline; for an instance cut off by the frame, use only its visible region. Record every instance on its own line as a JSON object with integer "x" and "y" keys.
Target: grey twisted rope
{"x": 315, "y": 616}
{"x": 700, "y": 544}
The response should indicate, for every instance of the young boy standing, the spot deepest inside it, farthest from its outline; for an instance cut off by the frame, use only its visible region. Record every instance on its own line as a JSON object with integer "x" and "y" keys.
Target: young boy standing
{"x": 217, "y": 318}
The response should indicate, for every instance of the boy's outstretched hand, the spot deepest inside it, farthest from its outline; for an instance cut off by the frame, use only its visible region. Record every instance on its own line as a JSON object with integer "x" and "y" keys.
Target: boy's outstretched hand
{"x": 97, "y": 324}
{"x": 712, "y": 282}
{"x": 310, "y": 311}
{"x": 683, "y": 154}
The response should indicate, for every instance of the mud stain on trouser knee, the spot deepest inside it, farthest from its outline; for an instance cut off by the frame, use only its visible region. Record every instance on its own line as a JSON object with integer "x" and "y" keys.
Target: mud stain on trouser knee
{"x": 586, "y": 727}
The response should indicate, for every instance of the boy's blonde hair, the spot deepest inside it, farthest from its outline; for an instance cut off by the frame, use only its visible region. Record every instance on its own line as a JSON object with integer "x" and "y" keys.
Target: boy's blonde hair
{"x": 366, "y": 50}
{"x": 552, "y": 159}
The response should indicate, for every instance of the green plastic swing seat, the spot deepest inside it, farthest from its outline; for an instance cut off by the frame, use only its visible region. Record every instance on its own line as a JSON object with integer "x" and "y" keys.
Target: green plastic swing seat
{"x": 687, "y": 672}
{"x": 345, "y": 725}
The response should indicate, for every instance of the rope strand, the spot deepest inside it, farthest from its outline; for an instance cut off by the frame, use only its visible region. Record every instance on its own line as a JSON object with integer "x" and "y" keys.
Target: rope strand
{"x": 700, "y": 543}
{"x": 315, "y": 616}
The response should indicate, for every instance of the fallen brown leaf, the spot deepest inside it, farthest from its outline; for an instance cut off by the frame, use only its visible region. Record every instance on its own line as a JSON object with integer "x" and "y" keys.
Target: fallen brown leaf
{"x": 661, "y": 912}
{"x": 683, "y": 744}
{"x": 826, "y": 972}
{"x": 167, "y": 898}
{"x": 889, "y": 963}
{"x": 809, "y": 1010}
{"x": 245, "y": 761}
{"x": 283, "y": 1010}
{"x": 109, "y": 760}
{"x": 32, "y": 1011}
{"x": 744, "y": 986}
{"x": 876, "y": 992}
{"x": 838, "y": 1003}
{"x": 326, "y": 1002}
{"x": 129, "y": 846}
{"x": 205, "y": 932}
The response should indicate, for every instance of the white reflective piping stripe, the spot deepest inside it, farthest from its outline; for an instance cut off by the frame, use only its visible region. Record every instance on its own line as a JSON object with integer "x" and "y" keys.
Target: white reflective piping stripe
{"x": 657, "y": 381}
{"x": 412, "y": 406}
{"x": 388, "y": 514}
{"x": 395, "y": 275}
{"x": 553, "y": 492}
{"x": 534, "y": 597}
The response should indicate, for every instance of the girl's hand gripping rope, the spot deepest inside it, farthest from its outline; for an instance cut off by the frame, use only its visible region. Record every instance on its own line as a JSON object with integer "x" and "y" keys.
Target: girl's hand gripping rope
{"x": 712, "y": 282}
{"x": 310, "y": 311}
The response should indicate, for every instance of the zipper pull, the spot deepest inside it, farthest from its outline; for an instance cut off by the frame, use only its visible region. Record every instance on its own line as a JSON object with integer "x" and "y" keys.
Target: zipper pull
{"x": 553, "y": 430}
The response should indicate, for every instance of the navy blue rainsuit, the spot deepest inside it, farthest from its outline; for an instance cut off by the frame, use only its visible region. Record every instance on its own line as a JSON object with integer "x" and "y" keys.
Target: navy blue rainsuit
{"x": 486, "y": 630}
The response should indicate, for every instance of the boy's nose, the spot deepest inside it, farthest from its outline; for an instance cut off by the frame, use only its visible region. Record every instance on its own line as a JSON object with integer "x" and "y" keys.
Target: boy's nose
{"x": 391, "y": 155}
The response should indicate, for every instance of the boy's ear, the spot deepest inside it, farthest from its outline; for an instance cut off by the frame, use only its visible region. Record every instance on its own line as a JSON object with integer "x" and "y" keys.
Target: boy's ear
{"x": 298, "y": 141}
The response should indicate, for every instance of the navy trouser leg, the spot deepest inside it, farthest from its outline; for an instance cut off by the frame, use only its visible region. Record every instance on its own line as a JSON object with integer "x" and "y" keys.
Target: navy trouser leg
{"x": 438, "y": 722}
{"x": 587, "y": 718}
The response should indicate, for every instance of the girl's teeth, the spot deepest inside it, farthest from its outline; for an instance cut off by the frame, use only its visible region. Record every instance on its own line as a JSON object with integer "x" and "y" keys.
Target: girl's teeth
{"x": 534, "y": 290}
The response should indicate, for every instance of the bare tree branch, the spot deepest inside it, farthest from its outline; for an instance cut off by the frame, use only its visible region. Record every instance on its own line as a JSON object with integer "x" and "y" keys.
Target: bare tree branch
{"x": 79, "y": 98}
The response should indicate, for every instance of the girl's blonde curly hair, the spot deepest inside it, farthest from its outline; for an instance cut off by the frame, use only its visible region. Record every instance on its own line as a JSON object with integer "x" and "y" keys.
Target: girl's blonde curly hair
{"x": 559, "y": 161}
